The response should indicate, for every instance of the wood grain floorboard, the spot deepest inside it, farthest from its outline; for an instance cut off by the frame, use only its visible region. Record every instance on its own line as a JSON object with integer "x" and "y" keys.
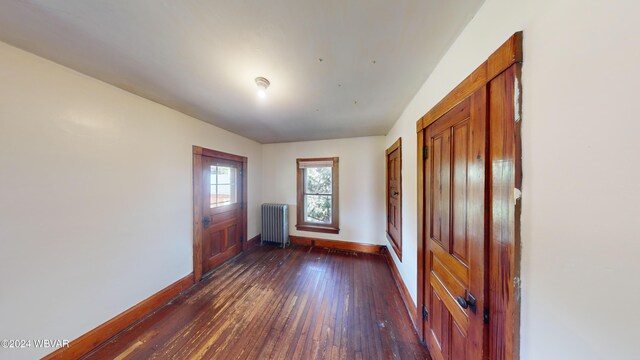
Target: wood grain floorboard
{"x": 273, "y": 303}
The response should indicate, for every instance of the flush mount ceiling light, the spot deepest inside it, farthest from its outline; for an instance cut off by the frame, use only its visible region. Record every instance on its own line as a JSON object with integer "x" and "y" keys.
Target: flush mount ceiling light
{"x": 262, "y": 84}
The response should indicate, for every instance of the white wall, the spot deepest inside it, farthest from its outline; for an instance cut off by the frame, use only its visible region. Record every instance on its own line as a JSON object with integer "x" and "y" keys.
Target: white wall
{"x": 95, "y": 198}
{"x": 581, "y": 185}
{"x": 361, "y": 177}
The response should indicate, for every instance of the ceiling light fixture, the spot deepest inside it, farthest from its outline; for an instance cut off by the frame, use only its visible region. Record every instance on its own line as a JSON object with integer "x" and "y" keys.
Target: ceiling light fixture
{"x": 262, "y": 84}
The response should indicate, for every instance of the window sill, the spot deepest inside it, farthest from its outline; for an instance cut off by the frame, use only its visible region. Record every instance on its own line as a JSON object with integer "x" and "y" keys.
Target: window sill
{"x": 318, "y": 228}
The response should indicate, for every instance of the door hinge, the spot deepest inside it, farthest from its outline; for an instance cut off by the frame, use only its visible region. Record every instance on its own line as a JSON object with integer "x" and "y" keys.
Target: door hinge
{"x": 425, "y": 152}
{"x": 485, "y": 315}
{"x": 425, "y": 313}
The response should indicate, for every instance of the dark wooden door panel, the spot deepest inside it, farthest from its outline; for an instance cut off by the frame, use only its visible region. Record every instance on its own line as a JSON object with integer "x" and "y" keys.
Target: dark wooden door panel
{"x": 460, "y": 152}
{"x": 440, "y": 189}
{"x": 394, "y": 196}
{"x": 438, "y": 331}
{"x": 213, "y": 246}
{"x": 454, "y": 283}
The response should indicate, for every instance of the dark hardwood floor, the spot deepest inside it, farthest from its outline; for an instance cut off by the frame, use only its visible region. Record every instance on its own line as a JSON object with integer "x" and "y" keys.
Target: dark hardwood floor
{"x": 273, "y": 303}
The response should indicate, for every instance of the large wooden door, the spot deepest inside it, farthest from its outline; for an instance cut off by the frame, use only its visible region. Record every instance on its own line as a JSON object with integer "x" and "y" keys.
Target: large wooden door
{"x": 455, "y": 232}
{"x": 222, "y": 210}
{"x": 394, "y": 196}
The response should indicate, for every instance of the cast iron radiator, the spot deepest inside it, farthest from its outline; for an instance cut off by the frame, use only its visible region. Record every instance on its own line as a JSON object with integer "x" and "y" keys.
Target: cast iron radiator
{"x": 275, "y": 224}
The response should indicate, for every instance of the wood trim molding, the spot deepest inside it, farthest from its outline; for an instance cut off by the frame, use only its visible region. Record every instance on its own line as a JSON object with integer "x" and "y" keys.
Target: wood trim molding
{"x": 504, "y": 230}
{"x": 254, "y": 241}
{"x": 420, "y": 233}
{"x": 404, "y": 292}
{"x": 394, "y": 146}
{"x": 318, "y": 228}
{"x": 198, "y": 190}
{"x": 245, "y": 203}
{"x": 300, "y": 240}
{"x": 96, "y": 337}
{"x": 337, "y": 244}
{"x": 509, "y": 53}
{"x": 218, "y": 154}
{"x": 468, "y": 86}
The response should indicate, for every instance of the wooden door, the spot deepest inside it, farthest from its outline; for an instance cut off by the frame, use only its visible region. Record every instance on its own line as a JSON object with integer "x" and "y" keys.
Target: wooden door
{"x": 222, "y": 210}
{"x": 455, "y": 231}
{"x": 394, "y": 196}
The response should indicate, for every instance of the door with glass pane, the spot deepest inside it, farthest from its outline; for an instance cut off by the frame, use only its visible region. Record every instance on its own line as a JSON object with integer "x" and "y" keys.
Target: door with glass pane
{"x": 222, "y": 211}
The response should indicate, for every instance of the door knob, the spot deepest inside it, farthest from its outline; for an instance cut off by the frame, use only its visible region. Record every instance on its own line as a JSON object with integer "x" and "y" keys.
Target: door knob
{"x": 469, "y": 302}
{"x": 206, "y": 221}
{"x": 462, "y": 302}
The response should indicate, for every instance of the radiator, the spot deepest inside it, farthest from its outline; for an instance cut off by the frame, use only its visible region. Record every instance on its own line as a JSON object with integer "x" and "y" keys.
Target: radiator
{"x": 275, "y": 224}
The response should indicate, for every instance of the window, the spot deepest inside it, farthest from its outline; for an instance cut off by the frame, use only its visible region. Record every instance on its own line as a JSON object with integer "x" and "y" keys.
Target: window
{"x": 223, "y": 186}
{"x": 318, "y": 195}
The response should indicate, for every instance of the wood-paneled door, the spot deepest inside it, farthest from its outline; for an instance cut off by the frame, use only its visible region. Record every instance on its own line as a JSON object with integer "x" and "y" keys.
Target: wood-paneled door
{"x": 469, "y": 176}
{"x": 394, "y": 196}
{"x": 222, "y": 210}
{"x": 455, "y": 286}
{"x": 220, "y": 197}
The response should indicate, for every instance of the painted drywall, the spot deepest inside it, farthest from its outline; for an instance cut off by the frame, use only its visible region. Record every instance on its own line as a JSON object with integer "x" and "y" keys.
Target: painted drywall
{"x": 361, "y": 180}
{"x": 581, "y": 199}
{"x": 95, "y": 198}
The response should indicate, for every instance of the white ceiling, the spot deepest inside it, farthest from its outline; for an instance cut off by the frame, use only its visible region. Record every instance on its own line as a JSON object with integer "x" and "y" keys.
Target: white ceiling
{"x": 338, "y": 68}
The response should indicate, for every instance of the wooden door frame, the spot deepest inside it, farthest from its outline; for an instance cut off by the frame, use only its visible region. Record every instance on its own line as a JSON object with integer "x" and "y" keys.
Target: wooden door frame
{"x": 198, "y": 188}
{"x": 395, "y": 146}
{"x": 503, "y": 236}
